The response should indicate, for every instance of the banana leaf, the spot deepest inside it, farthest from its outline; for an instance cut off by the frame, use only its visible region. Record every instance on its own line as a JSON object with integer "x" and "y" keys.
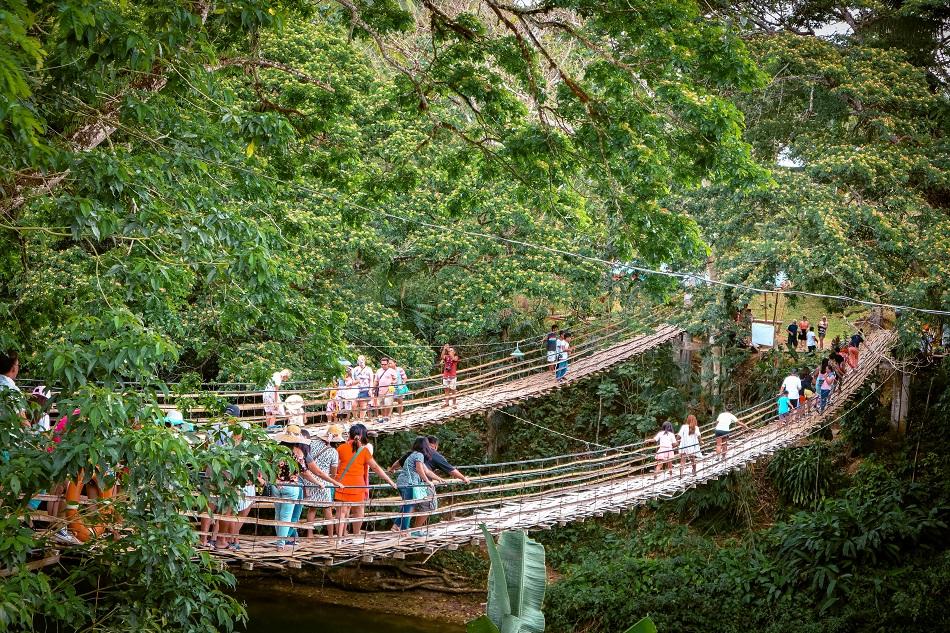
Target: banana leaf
{"x": 525, "y": 578}
{"x": 498, "y": 604}
{"x": 643, "y": 626}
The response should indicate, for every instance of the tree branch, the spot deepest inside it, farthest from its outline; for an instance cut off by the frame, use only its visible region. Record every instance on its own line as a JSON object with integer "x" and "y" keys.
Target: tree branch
{"x": 247, "y": 62}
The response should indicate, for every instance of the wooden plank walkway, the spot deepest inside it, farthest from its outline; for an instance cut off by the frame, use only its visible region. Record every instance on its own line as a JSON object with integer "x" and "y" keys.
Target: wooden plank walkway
{"x": 540, "y": 383}
{"x": 612, "y": 487}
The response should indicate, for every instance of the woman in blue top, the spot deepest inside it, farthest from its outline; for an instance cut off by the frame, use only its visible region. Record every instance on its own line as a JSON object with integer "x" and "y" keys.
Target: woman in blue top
{"x": 416, "y": 481}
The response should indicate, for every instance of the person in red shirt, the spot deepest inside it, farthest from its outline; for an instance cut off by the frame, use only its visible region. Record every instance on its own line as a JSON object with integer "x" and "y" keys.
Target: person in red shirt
{"x": 450, "y": 364}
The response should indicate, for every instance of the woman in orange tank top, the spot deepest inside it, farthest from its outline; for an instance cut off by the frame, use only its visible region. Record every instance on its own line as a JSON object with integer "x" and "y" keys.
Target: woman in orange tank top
{"x": 355, "y": 461}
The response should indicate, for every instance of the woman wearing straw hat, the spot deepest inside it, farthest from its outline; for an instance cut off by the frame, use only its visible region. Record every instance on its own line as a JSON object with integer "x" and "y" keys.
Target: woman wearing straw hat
{"x": 288, "y": 486}
{"x": 355, "y": 458}
{"x": 328, "y": 460}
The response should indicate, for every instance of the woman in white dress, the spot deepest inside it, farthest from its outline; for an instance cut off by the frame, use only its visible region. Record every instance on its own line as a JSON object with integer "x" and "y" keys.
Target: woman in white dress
{"x": 666, "y": 443}
{"x": 689, "y": 443}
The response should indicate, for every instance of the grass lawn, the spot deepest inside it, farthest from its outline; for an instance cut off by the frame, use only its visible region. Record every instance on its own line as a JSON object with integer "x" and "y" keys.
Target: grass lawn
{"x": 793, "y": 307}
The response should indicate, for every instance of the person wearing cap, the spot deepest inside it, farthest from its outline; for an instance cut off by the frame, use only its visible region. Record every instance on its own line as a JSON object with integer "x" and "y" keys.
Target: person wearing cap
{"x": 273, "y": 407}
{"x": 289, "y": 486}
{"x": 328, "y": 460}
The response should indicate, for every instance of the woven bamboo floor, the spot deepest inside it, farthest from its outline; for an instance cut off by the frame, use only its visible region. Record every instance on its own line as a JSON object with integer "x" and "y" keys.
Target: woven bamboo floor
{"x": 585, "y": 485}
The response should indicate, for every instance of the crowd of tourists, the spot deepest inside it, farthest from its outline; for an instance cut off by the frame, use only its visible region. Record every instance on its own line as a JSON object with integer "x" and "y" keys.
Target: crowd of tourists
{"x": 801, "y": 391}
{"x": 332, "y": 478}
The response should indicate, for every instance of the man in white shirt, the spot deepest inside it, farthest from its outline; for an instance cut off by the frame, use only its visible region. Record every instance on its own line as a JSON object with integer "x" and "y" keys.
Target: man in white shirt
{"x": 724, "y": 422}
{"x": 793, "y": 385}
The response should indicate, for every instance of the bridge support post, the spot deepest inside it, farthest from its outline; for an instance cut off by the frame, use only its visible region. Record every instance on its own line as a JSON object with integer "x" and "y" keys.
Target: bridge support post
{"x": 900, "y": 401}
{"x": 683, "y": 355}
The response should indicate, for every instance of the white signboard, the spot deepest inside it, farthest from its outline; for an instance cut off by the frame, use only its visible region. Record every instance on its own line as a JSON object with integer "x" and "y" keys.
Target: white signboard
{"x": 763, "y": 334}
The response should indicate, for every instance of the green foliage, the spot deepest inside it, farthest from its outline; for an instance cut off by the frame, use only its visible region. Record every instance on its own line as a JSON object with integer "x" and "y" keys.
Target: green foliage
{"x": 804, "y": 475}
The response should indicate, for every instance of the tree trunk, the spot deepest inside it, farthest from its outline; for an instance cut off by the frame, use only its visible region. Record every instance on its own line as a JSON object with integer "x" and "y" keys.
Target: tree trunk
{"x": 900, "y": 401}
{"x": 497, "y": 430}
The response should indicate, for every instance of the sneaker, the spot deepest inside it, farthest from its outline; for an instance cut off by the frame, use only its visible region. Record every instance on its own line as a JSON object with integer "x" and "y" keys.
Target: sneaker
{"x": 66, "y": 537}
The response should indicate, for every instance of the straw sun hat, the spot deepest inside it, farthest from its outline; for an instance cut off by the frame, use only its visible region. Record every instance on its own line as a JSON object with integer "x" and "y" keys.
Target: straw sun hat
{"x": 331, "y": 434}
{"x": 291, "y": 435}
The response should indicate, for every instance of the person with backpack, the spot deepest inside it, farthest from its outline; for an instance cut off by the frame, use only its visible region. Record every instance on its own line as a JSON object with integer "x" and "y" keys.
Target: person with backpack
{"x": 355, "y": 458}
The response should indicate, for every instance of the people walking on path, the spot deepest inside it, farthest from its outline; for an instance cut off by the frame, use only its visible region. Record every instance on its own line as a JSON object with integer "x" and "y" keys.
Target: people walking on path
{"x": 563, "y": 355}
{"x": 9, "y": 370}
{"x": 689, "y": 443}
{"x": 439, "y": 463}
{"x": 309, "y": 472}
{"x": 811, "y": 340}
{"x": 356, "y": 459}
{"x": 666, "y": 443}
{"x": 792, "y": 341}
{"x": 327, "y": 460}
{"x": 808, "y": 392}
{"x": 449, "y": 360}
{"x": 363, "y": 378}
{"x": 416, "y": 483}
{"x": 550, "y": 347}
{"x": 783, "y": 406}
{"x": 724, "y": 422}
{"x": 792, "y": 386}
{"x": 822, "y": 331}
{"x": 273, "y": 407}
{"x": 825, "y": 380}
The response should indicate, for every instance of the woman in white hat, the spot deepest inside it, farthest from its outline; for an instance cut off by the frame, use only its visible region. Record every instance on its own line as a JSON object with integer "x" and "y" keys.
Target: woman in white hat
{"x": 294, "y": 408}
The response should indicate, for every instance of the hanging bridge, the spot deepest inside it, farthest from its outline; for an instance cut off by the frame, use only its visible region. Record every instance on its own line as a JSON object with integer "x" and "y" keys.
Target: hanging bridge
{"x": 541, "y": 493}
{"x": 481, "y": 388}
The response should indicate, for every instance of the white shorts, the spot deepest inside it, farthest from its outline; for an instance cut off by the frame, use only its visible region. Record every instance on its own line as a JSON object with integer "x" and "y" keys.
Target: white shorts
{"x": 243, "y": 502}
{"x": 450, "y": 383}
{"x": 552, "y": 357}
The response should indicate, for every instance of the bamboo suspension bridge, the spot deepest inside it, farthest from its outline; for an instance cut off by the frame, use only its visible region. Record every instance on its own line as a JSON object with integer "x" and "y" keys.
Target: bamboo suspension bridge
{"x": 535, "y": 493}
{"x": 541, "y": 493}
{"x": 490, "y": 385}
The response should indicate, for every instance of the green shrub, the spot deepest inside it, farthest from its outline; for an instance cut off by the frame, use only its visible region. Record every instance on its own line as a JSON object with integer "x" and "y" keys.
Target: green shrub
{"x": 804, "y": 475}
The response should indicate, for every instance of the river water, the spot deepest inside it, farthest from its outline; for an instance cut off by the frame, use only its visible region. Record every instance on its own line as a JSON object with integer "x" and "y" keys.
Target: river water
{"x": 270, "y": 611}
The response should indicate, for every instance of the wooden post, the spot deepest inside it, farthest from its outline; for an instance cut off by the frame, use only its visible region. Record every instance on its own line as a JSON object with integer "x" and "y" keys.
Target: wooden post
{"x": 900, "y": 401}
